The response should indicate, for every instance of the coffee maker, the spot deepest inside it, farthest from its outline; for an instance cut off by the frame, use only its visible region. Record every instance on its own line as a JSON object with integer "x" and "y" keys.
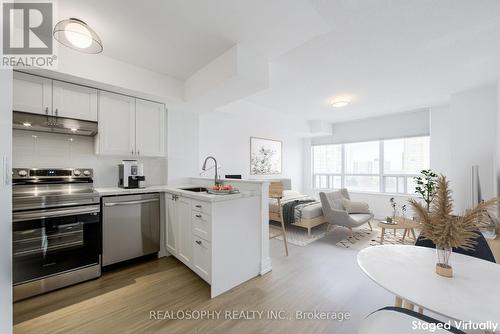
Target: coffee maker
{"x": 131, "y": 174}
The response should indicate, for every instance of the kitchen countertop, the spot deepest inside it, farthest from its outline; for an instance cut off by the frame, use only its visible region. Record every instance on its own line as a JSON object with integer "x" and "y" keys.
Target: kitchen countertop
{"x": 250, "y": 181}
{"x": 112, "y": 191}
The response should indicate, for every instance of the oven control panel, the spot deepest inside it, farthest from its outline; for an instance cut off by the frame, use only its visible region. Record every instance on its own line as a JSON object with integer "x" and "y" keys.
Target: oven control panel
{"x": 25, "y": 173}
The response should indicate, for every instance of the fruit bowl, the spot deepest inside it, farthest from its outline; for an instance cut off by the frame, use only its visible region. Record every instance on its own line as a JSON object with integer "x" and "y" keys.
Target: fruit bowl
{"x": 222, "y": 190}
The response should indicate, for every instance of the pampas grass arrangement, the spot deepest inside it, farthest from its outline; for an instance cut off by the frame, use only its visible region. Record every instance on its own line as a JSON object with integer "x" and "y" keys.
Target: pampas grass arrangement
{"x": 447, "y": 230}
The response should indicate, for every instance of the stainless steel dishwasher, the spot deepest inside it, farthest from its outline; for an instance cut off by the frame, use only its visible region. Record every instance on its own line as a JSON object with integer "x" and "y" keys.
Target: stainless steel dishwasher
{"x": 130, "y": 227}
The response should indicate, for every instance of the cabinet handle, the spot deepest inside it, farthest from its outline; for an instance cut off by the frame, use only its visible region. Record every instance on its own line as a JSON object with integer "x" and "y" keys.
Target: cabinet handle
{"x": 198, "y": 206}
{"x": 46, "y": 110}
{"x": 132, "y": 152}
{"x": 132, "y": 202}
{"x": 198, "y": 216}
{"x": 138, "y": 152}
{"x": 198, "y": 242}
{"x": 57, "y": 113}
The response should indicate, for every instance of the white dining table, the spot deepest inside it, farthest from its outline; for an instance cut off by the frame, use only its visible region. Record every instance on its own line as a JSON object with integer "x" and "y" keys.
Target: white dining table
{"x": 472, "y": 294}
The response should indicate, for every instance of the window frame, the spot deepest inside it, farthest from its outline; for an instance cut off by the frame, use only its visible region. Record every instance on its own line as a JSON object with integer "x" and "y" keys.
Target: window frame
{"x": 381, "y": 174}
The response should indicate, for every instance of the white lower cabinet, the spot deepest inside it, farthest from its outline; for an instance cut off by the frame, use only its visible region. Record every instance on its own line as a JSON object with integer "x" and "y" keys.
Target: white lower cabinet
{"x": 219, "y": 239}
{"x": 185, "y": 250}
{"x": 201, "y": 257}
{"x": 172, "y": 225}
{"x": 188, "y": 232}
{"x": 201, "y": 225}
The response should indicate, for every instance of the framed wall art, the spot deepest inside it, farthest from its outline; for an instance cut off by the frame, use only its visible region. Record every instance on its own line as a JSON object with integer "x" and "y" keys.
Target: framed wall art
{"x": 265, "y": 156}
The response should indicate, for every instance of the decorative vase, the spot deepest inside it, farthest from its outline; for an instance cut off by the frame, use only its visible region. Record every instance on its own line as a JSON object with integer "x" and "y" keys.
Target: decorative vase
{"x": 443, "y": 267}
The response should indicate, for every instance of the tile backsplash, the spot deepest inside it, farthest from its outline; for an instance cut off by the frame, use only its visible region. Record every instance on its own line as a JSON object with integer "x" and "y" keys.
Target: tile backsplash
{"x": 41, "y": 149}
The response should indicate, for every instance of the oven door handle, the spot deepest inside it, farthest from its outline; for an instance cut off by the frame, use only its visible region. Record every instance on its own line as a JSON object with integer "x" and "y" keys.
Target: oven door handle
{"x": 132, "y": 202}
{"x": 43, "y": 214}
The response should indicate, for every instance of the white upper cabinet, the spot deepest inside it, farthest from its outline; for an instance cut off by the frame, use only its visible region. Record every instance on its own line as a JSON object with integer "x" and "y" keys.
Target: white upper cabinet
{"x": 116, "y": 133}
{"x": 40, "y": 95}
{"x": 127, "y": 126}
{"x": 130, "y": 127}
{"x": 74, "y": 101}
{"x": 150, "y": 128}
{"x": 32, "y": 94}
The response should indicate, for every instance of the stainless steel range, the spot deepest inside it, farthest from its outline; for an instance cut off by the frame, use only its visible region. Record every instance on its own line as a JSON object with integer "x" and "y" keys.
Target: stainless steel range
{"x": 56, "y": 229}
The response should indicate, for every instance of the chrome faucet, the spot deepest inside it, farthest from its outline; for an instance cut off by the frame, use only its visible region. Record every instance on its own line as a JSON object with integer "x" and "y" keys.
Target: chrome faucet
{"x": 216, "y": 178}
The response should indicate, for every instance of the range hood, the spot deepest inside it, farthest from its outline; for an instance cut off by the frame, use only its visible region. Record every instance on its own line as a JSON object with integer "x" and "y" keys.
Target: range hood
{"x": 46, "y": 123}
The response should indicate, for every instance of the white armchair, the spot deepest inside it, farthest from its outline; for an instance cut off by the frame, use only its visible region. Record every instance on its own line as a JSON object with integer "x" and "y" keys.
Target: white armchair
{"x": 335, "y": 213}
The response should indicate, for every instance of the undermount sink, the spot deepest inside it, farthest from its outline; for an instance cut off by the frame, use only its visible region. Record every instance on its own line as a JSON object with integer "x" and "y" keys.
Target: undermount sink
{"x": 195, "y": 189}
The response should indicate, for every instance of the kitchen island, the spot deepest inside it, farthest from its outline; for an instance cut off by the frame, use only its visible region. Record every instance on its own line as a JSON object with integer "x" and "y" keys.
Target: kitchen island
{"x": 222, "y": 238}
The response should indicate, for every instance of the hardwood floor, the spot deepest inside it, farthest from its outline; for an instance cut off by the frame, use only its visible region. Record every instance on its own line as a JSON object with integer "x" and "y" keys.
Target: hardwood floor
{"x": 319, "y": 277}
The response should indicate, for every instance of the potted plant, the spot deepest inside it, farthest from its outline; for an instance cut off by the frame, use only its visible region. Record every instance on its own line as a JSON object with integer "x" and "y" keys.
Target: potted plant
{"x": 394, "y": 207}
{"x": 426, "y": 185}
{"x": 403, "y": 210}
{"x": 446, "y": 230}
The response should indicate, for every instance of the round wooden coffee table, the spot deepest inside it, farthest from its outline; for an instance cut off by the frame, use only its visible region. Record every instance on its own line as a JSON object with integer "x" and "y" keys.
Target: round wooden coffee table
{"x": 405, "y": 224}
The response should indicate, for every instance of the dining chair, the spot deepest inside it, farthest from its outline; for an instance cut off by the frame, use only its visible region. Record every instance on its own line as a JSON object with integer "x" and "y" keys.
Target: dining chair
{"x": 481, "y": 250}
{"x": 397, "y": 320}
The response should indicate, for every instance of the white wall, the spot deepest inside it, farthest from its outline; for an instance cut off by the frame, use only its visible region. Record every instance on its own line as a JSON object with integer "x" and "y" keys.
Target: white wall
{"x": 464, "y": 134}
{"x": 5, "y": 202}
{"x": 226, "y": 134}
{"x": 182, "y": 146}
{"x": 42, "y": 149}
{"x": 441, "y": 139}
{"x": 108, "y": 73}
{"x": 473, "y": 137}
{"x": 380, "y": 205}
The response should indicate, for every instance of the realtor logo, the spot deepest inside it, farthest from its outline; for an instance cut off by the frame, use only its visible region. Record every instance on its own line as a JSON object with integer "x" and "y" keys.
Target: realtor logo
{"x": 27, "y": 34}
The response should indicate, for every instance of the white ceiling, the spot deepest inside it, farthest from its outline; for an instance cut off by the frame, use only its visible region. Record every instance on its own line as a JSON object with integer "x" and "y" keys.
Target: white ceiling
{"x": 388, "y": 55}
{"x": 179, "y": 37}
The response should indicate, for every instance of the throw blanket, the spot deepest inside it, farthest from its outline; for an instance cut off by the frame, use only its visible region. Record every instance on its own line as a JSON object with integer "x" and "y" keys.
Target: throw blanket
{"x": 289, "y": 210}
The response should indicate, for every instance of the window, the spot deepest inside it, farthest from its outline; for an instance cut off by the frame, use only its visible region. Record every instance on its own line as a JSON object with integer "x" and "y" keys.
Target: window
{"x": 406, "y": 156}
{"x": 327, "y": 162}
{"x": 362, "y": 158}
{"x": 327, "y": 158}
{"x": 376, "y": 166}
{"x": 362, "y": 165}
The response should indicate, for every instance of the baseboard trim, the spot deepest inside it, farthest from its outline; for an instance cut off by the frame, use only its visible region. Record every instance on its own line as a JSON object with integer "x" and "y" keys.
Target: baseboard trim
{"x": 265, "y": 266}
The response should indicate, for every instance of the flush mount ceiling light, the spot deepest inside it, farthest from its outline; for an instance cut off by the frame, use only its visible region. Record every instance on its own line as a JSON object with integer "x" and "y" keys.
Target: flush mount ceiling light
{"x": 76, "y": 34}
{"x": 340, "y": 103}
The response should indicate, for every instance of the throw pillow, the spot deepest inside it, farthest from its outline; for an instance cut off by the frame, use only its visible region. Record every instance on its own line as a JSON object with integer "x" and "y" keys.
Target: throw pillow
{"x": 355, "y": 207}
